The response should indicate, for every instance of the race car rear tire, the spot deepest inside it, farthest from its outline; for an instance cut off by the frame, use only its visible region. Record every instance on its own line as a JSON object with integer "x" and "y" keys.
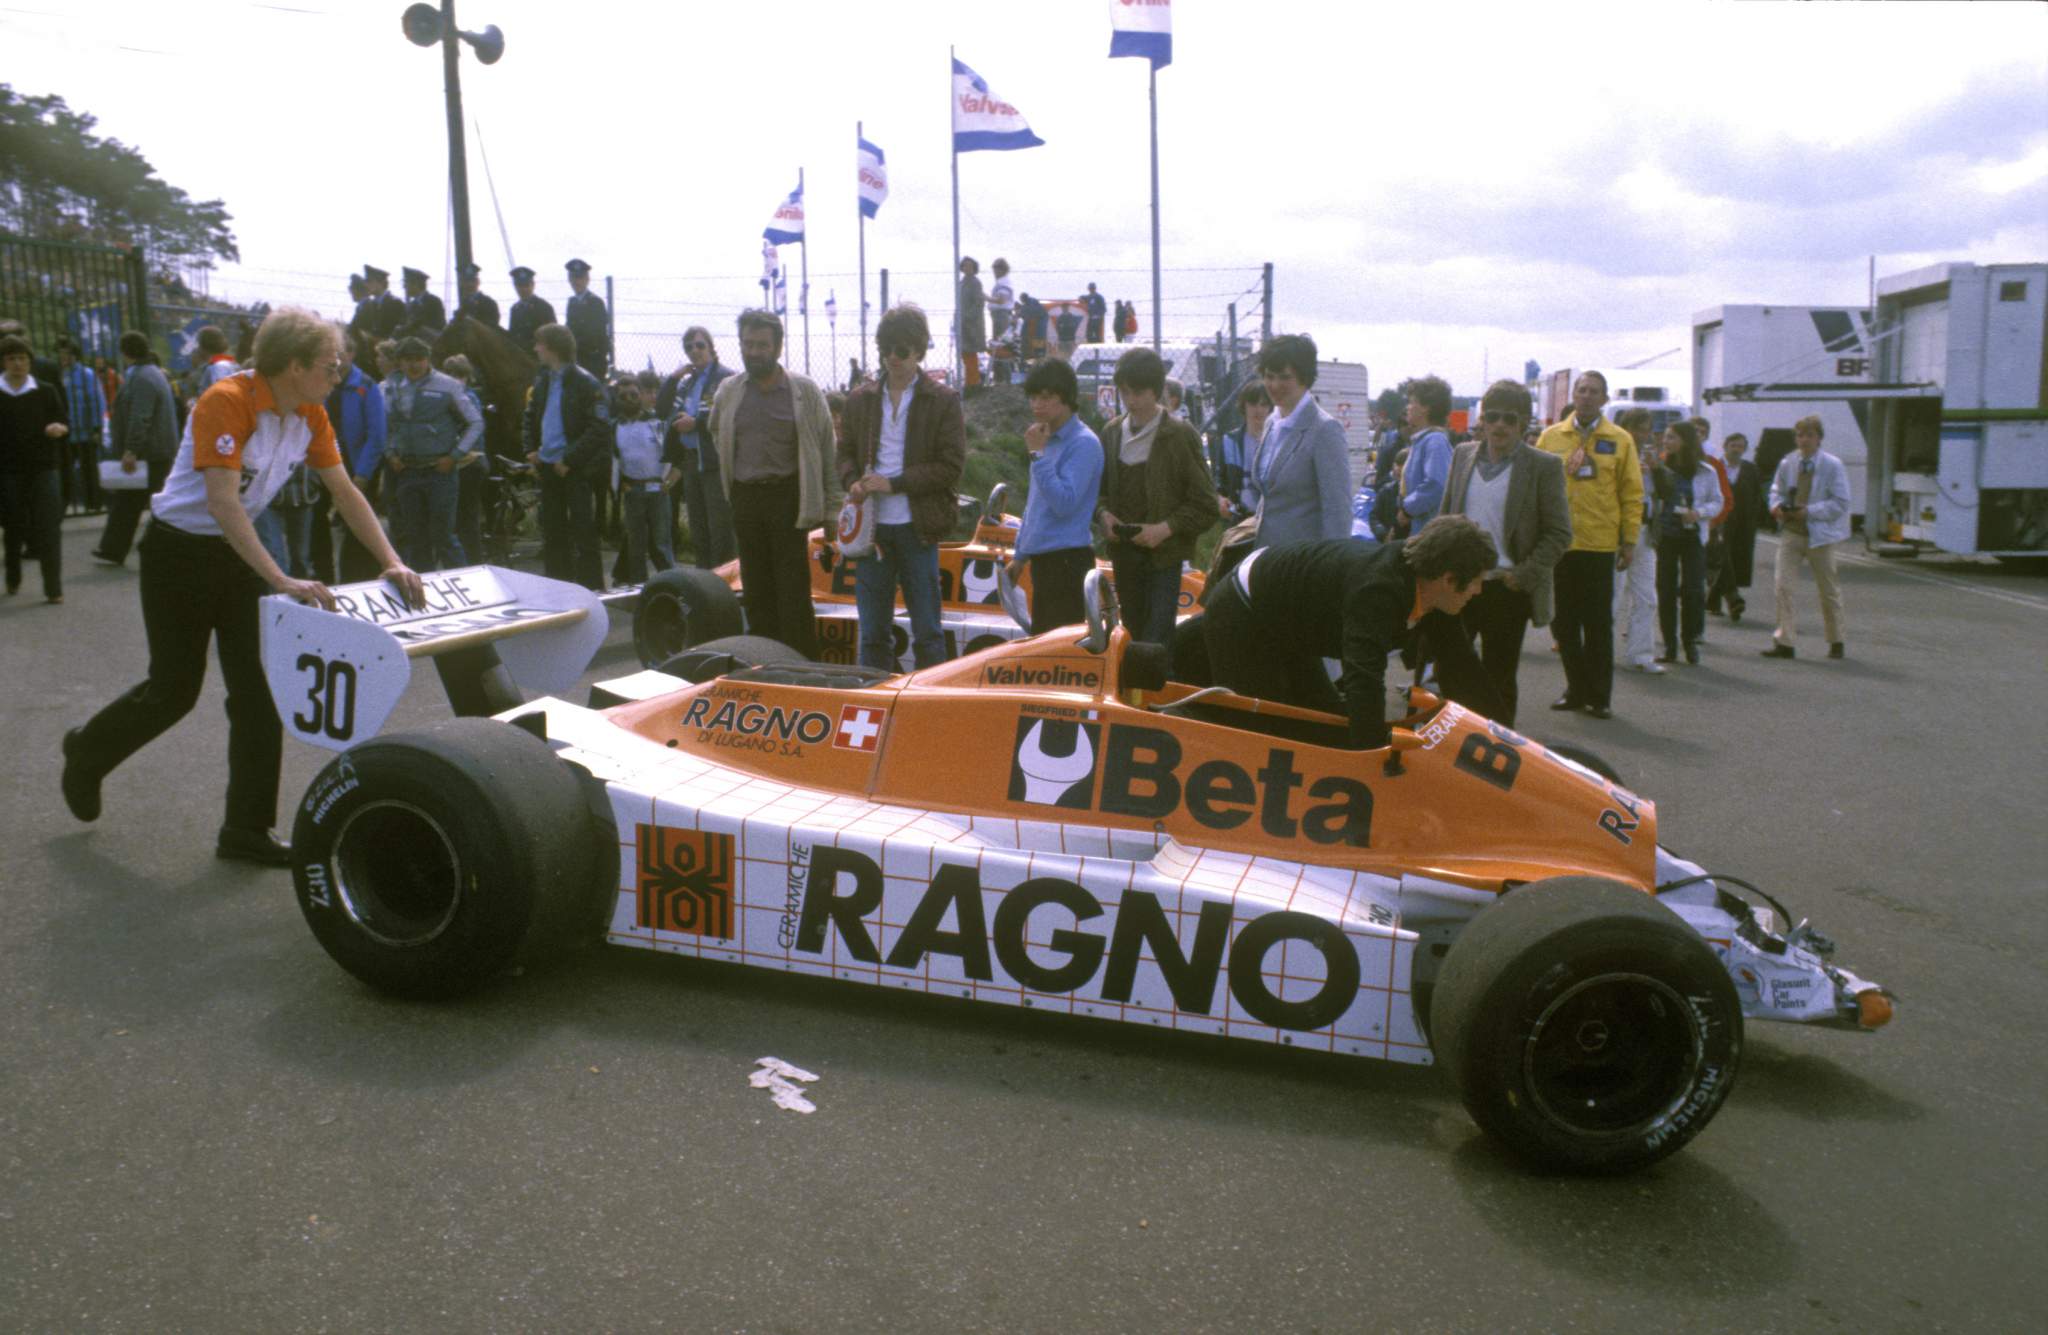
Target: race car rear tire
{"x": 715, "y": 658}
{"x": 1585, "y": 1026}
{"x": 427, "y": 863}
{"x": 1580, "y": 756}
{"x": 680, "y": 608}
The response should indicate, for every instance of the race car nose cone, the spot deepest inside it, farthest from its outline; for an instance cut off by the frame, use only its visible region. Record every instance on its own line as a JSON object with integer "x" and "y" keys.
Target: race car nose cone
{"x": 1873, "y": 1010}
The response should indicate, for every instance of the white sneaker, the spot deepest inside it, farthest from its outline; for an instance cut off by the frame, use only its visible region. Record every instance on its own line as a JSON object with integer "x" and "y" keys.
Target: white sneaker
{"x": 1655, "y": 669}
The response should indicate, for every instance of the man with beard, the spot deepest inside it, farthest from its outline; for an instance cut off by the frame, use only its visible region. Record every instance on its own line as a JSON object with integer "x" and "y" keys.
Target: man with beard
{"x": 772, "y": 432}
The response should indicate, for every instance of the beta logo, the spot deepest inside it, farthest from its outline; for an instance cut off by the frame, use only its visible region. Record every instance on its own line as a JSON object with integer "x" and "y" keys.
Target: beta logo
{"x": 224, "y": 445}
{"x": 860, "y": 728}
{"x": 1053, "y": 764}
{"x": 685, "y": 881}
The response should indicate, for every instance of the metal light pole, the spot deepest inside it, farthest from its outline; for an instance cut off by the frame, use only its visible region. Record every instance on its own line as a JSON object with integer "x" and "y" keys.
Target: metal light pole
{"x": 425, "y": 25}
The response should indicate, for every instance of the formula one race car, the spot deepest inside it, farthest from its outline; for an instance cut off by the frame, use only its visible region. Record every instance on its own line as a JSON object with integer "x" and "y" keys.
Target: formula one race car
{"x": 1053, "y": 823}
{"x": 984, "y": 597}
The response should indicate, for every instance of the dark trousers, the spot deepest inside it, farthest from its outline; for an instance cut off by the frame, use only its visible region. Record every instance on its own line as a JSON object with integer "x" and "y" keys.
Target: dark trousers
{"x": 1738, "y": 550}
{"x": 1681, "y": 588}
{"x": 710, "y": 516}
{"x": 1056, "y": 580}
{"x": 195, "y": 589}
{"x": 1498, "y": 621}
{"x": 1244, "y": 657}
{"x": 775, "y": 574}
{"x": 125, "y": 510}
{"x": 1584, "y": 625}
{"x": 32, "y": 512}
{"x": 1147, "y": 596}
{"x": 568, "y": 528}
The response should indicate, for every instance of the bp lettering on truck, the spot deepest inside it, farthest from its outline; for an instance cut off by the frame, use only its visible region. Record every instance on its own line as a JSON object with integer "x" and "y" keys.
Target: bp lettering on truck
{"x": 1098, "y": 954}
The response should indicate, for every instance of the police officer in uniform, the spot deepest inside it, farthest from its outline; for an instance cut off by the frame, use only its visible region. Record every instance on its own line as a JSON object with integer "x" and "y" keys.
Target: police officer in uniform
{"x": 589, "y": 321}
{"x": 379, "y": 314}
{"x": 529, "y": 312}
{"x": 425, "y": 316}
{"x": 475, "y": 303}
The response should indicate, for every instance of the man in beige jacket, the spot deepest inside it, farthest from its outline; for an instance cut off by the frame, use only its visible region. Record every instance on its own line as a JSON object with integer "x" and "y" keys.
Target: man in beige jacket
{"x": 773, "y": 435}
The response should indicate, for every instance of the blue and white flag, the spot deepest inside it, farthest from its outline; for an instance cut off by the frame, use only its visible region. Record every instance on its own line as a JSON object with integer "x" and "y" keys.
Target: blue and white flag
{"x": 97, "y": 329}
{"x": 874, "y": 179}
{"x": 981, "y": 120}
{"x": 772, "y": 284}
{"x": 1142, "y": 28}
{"x": 788, "y": 223}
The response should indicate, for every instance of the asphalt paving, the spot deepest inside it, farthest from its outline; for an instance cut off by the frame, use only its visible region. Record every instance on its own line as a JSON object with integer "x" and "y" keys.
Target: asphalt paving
{"x": 206, "y": 1125}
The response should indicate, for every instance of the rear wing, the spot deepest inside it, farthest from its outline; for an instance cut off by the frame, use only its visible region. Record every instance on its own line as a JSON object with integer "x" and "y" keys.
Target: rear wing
{"x": 336, "y": 676}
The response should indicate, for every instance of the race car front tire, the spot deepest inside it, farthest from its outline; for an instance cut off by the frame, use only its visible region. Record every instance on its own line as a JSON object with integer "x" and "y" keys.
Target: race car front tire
{"x": 427, "y": 863}
{"x": 681, "y": 608}
{"x": 1585, "y": 759}
{"x": 1586, "y": 1026}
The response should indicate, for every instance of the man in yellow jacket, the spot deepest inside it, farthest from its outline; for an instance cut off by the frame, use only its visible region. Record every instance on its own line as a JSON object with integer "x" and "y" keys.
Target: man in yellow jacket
{"x": 1604, "y": 489}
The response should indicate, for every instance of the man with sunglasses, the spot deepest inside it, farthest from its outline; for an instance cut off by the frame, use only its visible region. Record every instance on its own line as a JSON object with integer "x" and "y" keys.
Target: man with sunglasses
{"x": 682, "y": 405}
{"x": 1515, "y": 492}
{"x": 904, "y": 444}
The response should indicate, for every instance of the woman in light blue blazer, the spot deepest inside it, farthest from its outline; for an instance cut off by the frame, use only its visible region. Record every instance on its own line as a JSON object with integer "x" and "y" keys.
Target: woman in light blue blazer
{"x": 1301, "y": 472}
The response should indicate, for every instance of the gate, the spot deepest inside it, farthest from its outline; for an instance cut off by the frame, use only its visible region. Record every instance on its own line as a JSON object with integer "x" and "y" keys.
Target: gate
{"x": 91, "y": 293}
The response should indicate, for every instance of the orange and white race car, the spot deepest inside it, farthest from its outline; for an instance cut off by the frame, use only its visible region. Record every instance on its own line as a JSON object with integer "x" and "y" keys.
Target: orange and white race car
{"x": 1053, "y": 823}
{"x": 984, "y": 598}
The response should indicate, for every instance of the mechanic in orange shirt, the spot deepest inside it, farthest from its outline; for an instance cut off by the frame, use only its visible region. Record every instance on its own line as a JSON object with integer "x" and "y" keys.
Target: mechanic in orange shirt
{"x": 204, "y": 571}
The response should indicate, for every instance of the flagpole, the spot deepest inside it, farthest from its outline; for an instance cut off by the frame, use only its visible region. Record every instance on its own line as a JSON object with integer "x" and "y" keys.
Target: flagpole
{"x": 859, "y": 134}
{"x": 803, "y": 295}
{"x": 953, "y": 141}
{"x": 1154, "y": 80}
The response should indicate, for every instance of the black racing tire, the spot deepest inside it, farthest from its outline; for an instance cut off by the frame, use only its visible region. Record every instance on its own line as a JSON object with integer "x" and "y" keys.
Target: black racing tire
{"x": 1586, "y": 1026}
{"x": 1191, "y": 653}
{"x": 429, "y": 862}
{"x": 681, "y": 608}
{"x": 1580, "y": 756}
{"x": 824, "y": 676}
{"x": 715, "y": 658}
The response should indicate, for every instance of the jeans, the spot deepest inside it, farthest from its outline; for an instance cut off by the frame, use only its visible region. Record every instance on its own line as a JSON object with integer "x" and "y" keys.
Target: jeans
{"x": 900, "y": 559}
{"x": 32, "y": 512}
{"x": 568, "y": 528}
{"x": 1681, "y": 589}
{"x": 647, "y": 537}
{"x": 294, "y": 525}
{"x": 469, "y": 511}
{"x": 711, "y": 539}
{"x": 775, "y": 564}
{"x": 1583, "y": 621}
{"x": 1147, "y": 596}
{"x": 423, "y": 517}
{"x": 195, "y": 589}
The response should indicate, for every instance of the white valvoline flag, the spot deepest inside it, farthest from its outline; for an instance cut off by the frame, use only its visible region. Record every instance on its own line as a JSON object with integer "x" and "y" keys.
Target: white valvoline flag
{"x": 874, "y": 179}
{"x": 788, "y": 223}
{"x": 981, "y": 120}
{"x": 1142, "y": 28}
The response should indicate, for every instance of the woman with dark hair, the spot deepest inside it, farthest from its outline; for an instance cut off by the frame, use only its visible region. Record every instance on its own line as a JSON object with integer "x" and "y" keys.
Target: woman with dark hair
{"x": 34, "y": 420}
{"x": 1695, "y": 498}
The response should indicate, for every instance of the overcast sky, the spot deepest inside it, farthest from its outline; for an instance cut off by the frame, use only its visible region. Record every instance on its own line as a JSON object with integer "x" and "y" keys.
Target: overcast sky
{"x": 1441, "y": 187}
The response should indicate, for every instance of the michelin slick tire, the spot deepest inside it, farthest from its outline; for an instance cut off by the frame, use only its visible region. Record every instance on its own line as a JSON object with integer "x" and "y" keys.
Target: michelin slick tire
{"x": 1585, "y": 759}
{"x": 427, "y": 863}
{"x": 1586, "y": 1026}
{"x": 681, "y": 608}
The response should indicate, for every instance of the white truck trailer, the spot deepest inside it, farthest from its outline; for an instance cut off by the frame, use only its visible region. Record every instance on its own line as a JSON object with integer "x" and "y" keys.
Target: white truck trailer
{"x": 1955, "y": 409}
{"x": 1825, "y": 349}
